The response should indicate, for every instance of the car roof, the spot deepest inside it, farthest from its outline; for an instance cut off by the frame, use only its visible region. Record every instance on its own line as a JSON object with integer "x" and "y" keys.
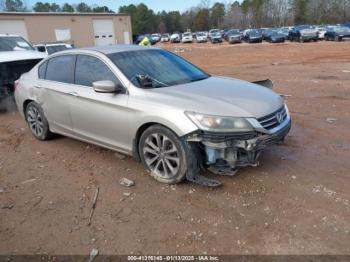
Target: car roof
{"x": 110, "y": 49}
{"x": 50, "y": 44}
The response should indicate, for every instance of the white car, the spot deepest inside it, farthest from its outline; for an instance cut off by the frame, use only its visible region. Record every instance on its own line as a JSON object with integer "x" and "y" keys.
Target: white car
{"x": 175, "y": 38}
{"x": 17, "y": 56}
{"x": 201, "y": 37}
{"x": 187, "y": 37}
{"x": 165, "y": 38}
{"x": 155, "y": 37}
{"x": 321, "y": 32}
{"x": 51, "y": 48}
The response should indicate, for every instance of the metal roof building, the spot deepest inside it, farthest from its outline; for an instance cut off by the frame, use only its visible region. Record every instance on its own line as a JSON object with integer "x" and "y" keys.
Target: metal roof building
{"x": 79, "y": 29}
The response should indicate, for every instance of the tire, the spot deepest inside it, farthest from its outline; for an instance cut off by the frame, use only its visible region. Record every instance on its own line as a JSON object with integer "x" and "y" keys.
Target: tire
{"x": 37, "y": 121}
{"x": 155, "y": 142}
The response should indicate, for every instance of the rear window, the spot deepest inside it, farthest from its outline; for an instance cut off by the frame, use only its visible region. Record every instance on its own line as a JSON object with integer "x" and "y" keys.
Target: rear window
{"x": 61, "y": 69}
{"x": 56, "y": 48}
{"x": 42, "y": 70}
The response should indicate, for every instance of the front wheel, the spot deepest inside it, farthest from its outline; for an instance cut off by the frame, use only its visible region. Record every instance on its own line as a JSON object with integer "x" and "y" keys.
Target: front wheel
{"x": 163, "y": 155}
{"x": 37, "y": 121}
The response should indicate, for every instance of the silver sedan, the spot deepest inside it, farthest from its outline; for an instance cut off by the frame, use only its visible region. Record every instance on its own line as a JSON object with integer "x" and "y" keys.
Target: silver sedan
{"x": 155, "y": 106}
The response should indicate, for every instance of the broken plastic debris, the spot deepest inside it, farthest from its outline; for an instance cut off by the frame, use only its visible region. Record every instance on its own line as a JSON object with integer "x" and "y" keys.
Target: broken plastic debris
{"x": 331, "y": 120}
{"x": 126, "y": 182}
{"x": 93, "y": 254}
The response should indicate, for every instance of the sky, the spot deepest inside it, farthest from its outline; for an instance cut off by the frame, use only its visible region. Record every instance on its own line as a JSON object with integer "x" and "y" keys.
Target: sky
{"x": 156, "y": 5}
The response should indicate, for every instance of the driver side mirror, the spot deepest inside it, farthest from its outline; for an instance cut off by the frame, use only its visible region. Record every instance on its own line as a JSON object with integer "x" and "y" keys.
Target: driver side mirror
{"x": 107, "y": 86}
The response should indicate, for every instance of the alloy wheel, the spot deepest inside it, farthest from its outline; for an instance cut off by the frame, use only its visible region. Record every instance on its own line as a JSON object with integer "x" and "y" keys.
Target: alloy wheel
{"x": 161, "y": 155}
{"x": 35, "y": 121}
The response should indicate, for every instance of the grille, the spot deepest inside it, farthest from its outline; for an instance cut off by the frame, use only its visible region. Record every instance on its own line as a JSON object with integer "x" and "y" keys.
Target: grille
{"x": 273, "y": 120}
{"x": 225, "y": 137}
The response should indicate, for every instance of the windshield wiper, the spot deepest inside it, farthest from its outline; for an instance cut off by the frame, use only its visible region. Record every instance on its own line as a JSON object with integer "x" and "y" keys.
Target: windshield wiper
{"x": 146, "y": 81}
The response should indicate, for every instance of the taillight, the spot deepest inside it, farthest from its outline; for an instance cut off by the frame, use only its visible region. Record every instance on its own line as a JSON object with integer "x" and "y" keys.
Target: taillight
{"x": 16, "y": 85}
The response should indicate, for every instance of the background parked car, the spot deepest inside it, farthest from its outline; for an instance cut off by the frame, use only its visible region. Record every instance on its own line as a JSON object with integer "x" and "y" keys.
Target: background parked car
{"x": 187, "y": 37}
{"x": 215, "y": 36}
{"x": 201, "y": 37}
{"x": 165, "y": 38}
{"x": 252, "y": 36}
{"x": 338, "y": 33}
{"x": 175, "y": 38}
{"x": 50, "y": 48}
{"x": 285, "y": 32}
{"x": 17, "y": 56}
{"x": 347, "y": 24}
{"x": 155, "y": 38}
{"x": 321, "y": 32}
{"x": 303, "y": 33}
{"x": 274, "y": 36}
{"x": 264, "y": 32}
{"x": 233, "y": 36}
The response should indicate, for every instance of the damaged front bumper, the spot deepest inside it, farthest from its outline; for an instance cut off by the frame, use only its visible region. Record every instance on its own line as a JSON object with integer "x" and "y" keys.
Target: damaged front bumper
{"x": 225, "y": 153}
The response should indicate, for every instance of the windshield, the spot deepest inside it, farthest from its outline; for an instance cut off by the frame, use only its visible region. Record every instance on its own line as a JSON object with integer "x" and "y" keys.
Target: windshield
{"x": 56, "y": 48}
{"x": 273, "y": 32}
{"x": 163, "y": 67}
{"x": 187, "y": 34}
{"x": 14, "y": 43}
{"x": 303, "y": 27}
{"x": 233, "y": 32}
{"x": 255, "y": 32}
{"x": 200, "y": 34}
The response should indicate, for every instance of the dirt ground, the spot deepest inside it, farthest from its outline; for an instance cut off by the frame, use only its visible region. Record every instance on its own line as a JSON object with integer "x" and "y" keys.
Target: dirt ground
{"x": 296, "y": 202}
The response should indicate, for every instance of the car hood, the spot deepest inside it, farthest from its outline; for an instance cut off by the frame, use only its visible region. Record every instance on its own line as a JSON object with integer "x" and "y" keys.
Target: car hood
{"x": 219, "y": 96}
{"x": 12, "y": 56}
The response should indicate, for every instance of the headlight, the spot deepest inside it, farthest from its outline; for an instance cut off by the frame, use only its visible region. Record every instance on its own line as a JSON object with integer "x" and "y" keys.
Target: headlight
{"x": 219, "y": 123}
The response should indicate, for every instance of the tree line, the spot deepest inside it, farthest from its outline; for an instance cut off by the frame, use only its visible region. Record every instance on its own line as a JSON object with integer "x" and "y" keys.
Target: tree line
{"x": 245, "y": 14}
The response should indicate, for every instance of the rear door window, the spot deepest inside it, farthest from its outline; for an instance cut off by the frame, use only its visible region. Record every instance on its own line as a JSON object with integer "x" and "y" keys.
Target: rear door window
{"x": 61, "y": 69}
{"x": 42, "y": 70}
{"x": 90, "y": 69}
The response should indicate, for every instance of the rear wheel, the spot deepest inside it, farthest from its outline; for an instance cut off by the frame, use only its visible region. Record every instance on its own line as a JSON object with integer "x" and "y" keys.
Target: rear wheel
{"x": 37, "y": 121}
{"x": 163, "y": 154}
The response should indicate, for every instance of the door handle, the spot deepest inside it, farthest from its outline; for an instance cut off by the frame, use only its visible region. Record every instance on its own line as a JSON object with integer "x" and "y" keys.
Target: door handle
{"x": 73, "y": 93}
{"x": 38, "y": 86}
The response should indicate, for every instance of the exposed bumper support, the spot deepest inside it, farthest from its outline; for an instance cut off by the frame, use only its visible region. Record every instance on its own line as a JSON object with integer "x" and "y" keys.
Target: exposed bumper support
{"x": 224, "y": 154}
